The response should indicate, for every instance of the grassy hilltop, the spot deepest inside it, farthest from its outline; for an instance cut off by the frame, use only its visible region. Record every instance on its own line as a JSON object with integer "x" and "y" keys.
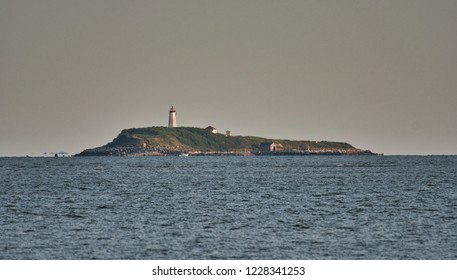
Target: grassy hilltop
{"x": 172, "y": 141}
{"x": 184, "y": 138}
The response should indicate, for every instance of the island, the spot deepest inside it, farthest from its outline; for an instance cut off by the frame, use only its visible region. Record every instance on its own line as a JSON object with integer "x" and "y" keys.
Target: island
{"x": 193, "y": 141}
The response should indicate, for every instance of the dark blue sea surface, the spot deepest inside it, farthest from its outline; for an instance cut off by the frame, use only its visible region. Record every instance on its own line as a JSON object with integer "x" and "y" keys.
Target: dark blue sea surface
{"x": 284, "y": 207}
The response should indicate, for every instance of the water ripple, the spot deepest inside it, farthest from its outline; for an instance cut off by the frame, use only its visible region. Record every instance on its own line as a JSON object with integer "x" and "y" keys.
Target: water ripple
{"x": 229, "y": 208}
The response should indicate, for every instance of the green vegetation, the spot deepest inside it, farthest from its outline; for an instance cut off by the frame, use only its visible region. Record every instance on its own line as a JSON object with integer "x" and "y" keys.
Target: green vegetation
{"x": 192, "y": 139}
{"x": 199, "y": 141}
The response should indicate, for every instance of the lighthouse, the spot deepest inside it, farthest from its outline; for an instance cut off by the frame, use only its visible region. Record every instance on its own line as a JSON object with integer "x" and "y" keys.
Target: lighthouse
{"x": 172, "y": 117}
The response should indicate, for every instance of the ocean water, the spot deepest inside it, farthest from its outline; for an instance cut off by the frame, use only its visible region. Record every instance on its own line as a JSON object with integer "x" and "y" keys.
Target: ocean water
{"x": 302, "y": 207}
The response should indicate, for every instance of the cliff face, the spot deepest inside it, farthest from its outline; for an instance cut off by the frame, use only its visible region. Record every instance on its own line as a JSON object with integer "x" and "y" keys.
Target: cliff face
{"x": 198, "y": 141}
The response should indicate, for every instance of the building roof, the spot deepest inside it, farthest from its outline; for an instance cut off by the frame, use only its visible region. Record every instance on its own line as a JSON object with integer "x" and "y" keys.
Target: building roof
{"x": 270, "y": 143}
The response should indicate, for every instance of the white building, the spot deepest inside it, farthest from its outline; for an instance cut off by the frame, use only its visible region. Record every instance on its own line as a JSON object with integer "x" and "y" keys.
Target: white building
{"x": 212, "y": 129}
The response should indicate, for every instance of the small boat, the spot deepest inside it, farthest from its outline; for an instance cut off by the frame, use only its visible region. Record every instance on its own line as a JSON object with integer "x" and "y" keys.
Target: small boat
{"x": 183, "y": 154}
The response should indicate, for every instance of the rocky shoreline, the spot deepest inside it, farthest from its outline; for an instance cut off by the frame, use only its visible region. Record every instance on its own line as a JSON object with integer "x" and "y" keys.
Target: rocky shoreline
{"x": 162, "y": 151}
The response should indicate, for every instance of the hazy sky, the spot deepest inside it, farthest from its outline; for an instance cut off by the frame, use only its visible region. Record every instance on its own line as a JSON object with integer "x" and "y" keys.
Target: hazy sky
{"x": 381, "y": 75}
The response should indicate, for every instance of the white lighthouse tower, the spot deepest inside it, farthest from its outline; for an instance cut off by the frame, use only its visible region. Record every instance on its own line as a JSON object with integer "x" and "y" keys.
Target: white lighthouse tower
{"x": 172, "y": 117}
